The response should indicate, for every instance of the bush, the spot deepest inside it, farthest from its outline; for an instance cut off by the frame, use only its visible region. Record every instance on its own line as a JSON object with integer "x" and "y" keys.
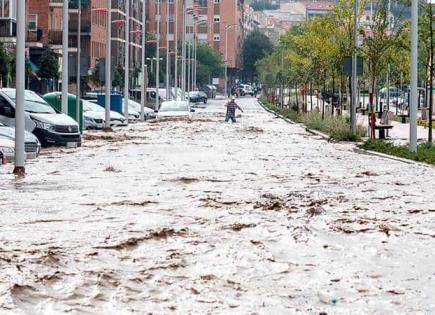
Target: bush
{"x": 425, "y": 152}
{"x": 337, "y": 127}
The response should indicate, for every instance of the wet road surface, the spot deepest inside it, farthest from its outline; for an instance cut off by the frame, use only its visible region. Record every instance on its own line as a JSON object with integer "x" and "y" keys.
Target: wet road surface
{"x": 203, "y": 217}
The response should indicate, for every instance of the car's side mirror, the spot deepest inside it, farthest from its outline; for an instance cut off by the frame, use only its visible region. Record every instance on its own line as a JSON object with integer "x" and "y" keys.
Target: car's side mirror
{"x": 192, "y": 110}
{"x": 156, "y": 111}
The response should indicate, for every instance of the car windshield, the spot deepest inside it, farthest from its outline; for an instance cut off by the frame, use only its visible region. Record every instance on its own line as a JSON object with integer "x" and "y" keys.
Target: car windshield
{"x": 91, "y": 107}
{"x": 174, "y": 107}
{"x": 33, "y": 103}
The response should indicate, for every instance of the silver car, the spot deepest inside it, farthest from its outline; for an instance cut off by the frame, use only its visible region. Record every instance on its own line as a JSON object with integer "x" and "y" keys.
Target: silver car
{"x": 32, "y": 146}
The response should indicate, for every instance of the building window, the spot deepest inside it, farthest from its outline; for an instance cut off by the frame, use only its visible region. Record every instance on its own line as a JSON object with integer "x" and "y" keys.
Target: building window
{"x": 33, "y": 22}
{"x": 217, "y": 18}
{"x": 216, "y": 37}
{"x": 216, "y": 1}
{"x": 171, "y": 1}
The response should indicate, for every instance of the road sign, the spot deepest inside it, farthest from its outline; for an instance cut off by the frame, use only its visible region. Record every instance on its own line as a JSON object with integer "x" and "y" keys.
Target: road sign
{"x": 347, "y": 65}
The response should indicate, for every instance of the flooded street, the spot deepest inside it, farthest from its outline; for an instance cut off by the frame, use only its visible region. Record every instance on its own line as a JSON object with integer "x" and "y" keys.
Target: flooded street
{"x": 203, "y": 217}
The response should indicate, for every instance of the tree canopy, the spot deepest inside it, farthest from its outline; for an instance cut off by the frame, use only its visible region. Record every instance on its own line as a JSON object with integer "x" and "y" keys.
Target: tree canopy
{"x": 255, "y": 47}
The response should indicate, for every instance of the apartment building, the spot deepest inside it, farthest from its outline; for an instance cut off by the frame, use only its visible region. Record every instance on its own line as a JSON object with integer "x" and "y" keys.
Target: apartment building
{"x": 218, "y": 22}
{"x": 8, "y": 22}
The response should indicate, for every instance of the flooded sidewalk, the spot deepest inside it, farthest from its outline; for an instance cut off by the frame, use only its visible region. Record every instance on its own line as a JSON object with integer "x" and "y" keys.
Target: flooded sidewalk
{"x": 205, "y": 217}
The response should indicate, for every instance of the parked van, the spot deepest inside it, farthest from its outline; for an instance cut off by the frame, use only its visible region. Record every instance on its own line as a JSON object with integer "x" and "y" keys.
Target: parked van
{"x": 51, "y": 127}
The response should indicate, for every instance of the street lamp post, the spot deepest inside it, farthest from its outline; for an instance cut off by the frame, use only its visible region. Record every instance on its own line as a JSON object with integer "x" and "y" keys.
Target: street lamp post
{"x": 108, "y": 79}
{"x": 19, "y": 93}
{"x": 227, "y": 28}
{"x": 79, "y": 26}
{"x": 414, "y": 65}
{"x": 183, "y": 55}
{"x": 354, "y": 69}
{"x": 168, "y": 62}
{"x": 127, "y": 55}
{"x": 65, "y": 33}
{"x": 143, "y": 65}
{"x": 176, "y": 50}
{"x": 157, "y": 56}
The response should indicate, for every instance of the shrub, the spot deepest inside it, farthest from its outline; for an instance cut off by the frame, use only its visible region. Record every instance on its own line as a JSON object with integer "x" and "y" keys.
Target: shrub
{"x": 425, "y": 152}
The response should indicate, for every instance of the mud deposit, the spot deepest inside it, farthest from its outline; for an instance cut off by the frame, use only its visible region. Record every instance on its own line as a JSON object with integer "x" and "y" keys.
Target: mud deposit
{"x": 202, "y": 217}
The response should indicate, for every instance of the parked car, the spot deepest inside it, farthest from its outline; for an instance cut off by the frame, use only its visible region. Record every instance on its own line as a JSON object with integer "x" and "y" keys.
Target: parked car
{"x": 246, "y": 89}
{"x": 175, "y": 109}
{"x": 7, "y": 150}
{"x": 197, "y": 97}
{"x": 32, "y": 146}
{"x": 116, "y": 119}
{"x": 148, "y": 112}
{"x": 51, "y": 127}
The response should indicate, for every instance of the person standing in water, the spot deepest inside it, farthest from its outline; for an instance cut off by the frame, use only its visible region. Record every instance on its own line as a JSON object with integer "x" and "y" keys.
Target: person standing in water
{"x": 231, "y": 110}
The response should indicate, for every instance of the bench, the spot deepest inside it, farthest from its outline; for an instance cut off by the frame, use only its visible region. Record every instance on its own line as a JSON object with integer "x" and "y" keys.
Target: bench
{"x": 382, "y": 129}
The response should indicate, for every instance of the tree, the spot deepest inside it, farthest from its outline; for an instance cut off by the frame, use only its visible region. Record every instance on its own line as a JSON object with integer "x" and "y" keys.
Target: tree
{"x": 5, "y": 65}
{"x": 49, "y": 65}
{"x": 256, "y": 46}
{"x": 263, "y": 5}
{"x": 209, "y": 63}
{"x": 118, "y": 77}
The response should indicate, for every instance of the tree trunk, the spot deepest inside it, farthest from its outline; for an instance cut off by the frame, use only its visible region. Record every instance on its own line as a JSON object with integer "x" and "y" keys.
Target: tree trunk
{"x": 311, "y": 95}
{"x": 323, "y": 100}
{"x": 333, "y": 95}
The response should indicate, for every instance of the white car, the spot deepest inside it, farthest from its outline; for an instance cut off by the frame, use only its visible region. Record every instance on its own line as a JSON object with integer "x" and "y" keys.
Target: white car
{"x": 40, "y": 118}
{"x": 148, "y": 112}
{"x": 32, "y": 146}
{"x": 175, "y": 109}
{"x": 7, "y": 148}
{"x": 92, "y": 109}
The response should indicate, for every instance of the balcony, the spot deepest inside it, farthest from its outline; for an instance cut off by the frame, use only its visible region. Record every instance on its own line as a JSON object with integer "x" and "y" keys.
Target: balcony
{"x": 7, "y": 28}
{"x": 55, "y": 37}
{"x": 72, "y": 4}
{"x": 34, "y": 36}
{"x": 84, "y": 29}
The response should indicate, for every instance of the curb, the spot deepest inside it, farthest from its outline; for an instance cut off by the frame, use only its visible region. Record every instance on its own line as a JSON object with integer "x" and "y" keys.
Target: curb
{"x": 276, "y": 114}
{"x": 391, "y": 157}
{"x": 356, "y": 149}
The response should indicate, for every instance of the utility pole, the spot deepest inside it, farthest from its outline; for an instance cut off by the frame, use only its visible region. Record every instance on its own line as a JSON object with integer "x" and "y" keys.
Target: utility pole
{"x": 388, "y": 66}
{"x": 65, "y": 33}
{"x": 19, "y": 92}
{"x": 183, "y": 54}
{"x": 158, "y": 56}
{"x": 414, "y": 65}
{"x": 431, "y": 73}
{"x": 143, "y": 65}
{"x": 108, "y": 83}
{"x": 226, "y": 62}
{"x": 127, "y": 57}
{"x": 354, "y": 69}
{"x": 168, "y": 62}
{"x": 79, "y": 26}
{"x": 176, "y": 50}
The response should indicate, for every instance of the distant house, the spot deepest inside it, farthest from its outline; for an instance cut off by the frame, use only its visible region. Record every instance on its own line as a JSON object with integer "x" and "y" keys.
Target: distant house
{"x": 313, "y": 9}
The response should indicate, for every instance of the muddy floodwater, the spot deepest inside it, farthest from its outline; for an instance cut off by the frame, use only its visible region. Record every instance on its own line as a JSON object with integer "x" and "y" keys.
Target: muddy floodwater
{"x": 202, "y": 217}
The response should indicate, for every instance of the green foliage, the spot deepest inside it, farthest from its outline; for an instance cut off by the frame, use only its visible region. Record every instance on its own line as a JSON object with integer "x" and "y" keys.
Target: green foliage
{"x": 5, "y": 63}
{"x": 49, "y": 65}
{"x": 209, "y": 63}
{"x": 425, "y": 152}
{"x": 263, "y": 5}
{"x": 337, "y": 127}
{"x": 255, "y": 47}
{"x": 118, "y": 77}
